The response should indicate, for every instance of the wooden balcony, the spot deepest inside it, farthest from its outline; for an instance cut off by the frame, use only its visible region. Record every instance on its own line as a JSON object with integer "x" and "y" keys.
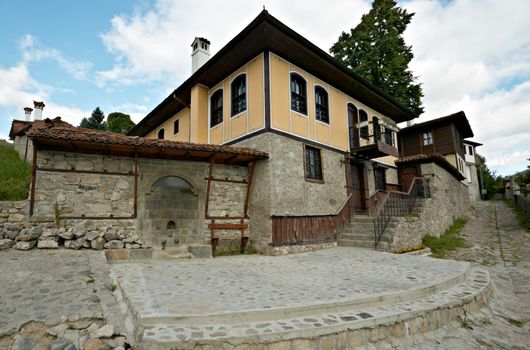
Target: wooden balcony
{"x": 373, "y": 147}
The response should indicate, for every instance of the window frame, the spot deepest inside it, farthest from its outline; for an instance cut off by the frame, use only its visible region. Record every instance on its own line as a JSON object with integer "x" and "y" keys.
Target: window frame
{"x": 322, "y": 107}
{"x": 242, "y": 98}
{"x": 221, "y": 109}
{"x": 161, "y": 130}
{"x": 176, "y": 122}
{"x": 297, "y": 95}
{"x": 309, "y": 148}
{"x": 389, "y": 134}
{"x": 364, "y": 133}
{"x": 427, "y": 138}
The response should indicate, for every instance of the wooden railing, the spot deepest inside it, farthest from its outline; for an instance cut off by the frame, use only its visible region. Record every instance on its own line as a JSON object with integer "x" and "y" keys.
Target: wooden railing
{"x": 397, "y": 203}
{"x": 310, "y": 229}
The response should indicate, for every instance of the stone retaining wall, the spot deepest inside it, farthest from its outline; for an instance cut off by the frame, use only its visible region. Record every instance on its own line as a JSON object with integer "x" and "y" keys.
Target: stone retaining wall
{"x": 449, "y": 200}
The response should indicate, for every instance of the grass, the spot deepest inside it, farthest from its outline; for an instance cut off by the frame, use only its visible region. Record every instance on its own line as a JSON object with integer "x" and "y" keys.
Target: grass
{"x": 15, "y": 174}
{"x": 450, "y": 240}
{"x": 522, "y": 217}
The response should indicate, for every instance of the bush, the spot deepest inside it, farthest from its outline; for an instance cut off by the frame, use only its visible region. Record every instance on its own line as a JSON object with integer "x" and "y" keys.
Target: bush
{"x": 15, "y": 174}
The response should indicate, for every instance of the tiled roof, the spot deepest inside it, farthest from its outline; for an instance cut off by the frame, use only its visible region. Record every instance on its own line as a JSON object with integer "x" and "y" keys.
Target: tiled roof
{"x": 44, "y": 131}
{"x": 459, "y": 118}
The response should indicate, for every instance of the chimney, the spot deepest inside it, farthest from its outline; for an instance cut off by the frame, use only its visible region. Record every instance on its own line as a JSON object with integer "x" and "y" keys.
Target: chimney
{"x": 200, "y": 53}
{"x": 27, "y": 113}
{"x": 39, "y": 106}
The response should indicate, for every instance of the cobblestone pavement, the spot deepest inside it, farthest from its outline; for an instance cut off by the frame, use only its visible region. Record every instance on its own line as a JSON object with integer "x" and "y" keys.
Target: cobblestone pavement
{"x": 54, "y": 287}
{"x": 243, "y": 283}
{"x": 495, "y": 241}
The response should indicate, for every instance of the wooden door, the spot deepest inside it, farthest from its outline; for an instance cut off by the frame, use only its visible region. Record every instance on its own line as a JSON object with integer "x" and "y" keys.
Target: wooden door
{"x": 352, "y": 121}
{"x": 406, "y": 175}
{"x": 358, "y": 187}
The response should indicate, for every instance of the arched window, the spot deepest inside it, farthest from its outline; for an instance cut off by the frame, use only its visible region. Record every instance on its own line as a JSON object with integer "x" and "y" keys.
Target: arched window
{"x": 239, "y": 94}
{"x": 216, "y": 108}
{"x": 161, "y": 134}
{"x": 176, "y": 126}
{"x": 353, "y": 117}
{"x": 321, "y": 104}
{"x": 363, "y": 131}
{"x": 298, "y": 93}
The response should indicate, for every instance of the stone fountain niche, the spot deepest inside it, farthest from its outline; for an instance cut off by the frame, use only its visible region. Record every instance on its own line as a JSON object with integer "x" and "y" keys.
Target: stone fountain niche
{"x": 172, "y": 207}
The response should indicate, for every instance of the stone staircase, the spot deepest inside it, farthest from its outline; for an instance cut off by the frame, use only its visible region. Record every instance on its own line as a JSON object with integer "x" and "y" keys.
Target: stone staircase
{"x": 359, "y": 232}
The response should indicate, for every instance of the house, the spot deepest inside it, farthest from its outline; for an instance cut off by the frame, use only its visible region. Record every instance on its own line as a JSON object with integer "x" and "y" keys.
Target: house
{"x": 329, "y": 133}
{"x": 444, "y": 136}
{"x": 271, "y": 139}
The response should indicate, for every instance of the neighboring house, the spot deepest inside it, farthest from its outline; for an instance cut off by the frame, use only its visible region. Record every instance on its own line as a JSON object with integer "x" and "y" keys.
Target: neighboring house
{"x": 271, "y": 89}
{"x": 472, "y": 176}
{"x": 444, "y": 136}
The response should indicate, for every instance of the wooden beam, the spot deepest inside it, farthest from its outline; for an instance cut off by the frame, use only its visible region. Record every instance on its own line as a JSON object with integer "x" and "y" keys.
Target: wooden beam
{"x": 249, "y": 186}
{"x": 33, "y": 179}
{"x": 228, "y": 180}
{"x": 83, "y": 171}
{"x": 227, "y": 226}
{"x": 135, "y": 184}
{"x": 227, "y": 160}
{"x": 208, "y": 190}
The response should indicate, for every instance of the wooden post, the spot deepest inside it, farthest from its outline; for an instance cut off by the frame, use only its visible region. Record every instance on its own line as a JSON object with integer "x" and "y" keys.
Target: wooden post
{"x": 135, "y": 184}
{"x": 249, "y": 187}
{"x": 208, "y": 190}
{"x": 33, "y": 179}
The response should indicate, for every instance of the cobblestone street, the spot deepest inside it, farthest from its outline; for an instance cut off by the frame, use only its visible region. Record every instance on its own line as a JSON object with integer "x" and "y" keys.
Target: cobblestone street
{"x": 495, "y": 241}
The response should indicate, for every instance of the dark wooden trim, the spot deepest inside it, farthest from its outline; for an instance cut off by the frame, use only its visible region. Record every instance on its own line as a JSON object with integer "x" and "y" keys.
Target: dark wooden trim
{"x": 249, "y": 187}
{"x": 208, "y": 190}
{"x": 227, "y": 217}
{"x": 84, "y": 171}
{"x": 266, "y": 84}
{"x": 227, "y": 226}
{"x": 228, "y": 180}
{"x": 33, "y": 180}
{"x": 135, "y": 184}
{"x": 306, "y": 141}
{"x": 245, "y": 137}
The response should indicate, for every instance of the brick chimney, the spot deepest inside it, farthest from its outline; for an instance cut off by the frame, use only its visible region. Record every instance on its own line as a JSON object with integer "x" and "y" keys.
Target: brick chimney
{"x": 200, "y": 53}
{"x": 39, "y": 106}
{"x": 27, "y": 113}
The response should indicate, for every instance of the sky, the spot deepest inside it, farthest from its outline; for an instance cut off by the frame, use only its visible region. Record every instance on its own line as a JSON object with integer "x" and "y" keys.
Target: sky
{"x": 128, "y": 56}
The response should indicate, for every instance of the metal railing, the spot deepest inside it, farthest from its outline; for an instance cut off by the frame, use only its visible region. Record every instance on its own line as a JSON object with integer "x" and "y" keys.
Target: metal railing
{"x": 396, "y": 204}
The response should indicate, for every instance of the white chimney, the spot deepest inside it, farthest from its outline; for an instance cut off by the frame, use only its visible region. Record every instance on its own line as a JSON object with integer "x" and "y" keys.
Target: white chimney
{"x": 39, "y": 106}
{"x": 200, "y": 53}
{"x": 27, "y": 113}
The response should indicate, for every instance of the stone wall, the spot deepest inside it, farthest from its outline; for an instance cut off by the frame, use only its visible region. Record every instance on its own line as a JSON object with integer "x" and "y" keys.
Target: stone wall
{"x": 88, "y": 194}
{"x": 280, "y": 187}
{"x": 449, "y": 200}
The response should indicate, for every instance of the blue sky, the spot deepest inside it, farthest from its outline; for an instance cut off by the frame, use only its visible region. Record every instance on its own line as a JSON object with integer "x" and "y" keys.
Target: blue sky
{"x": 127, "y": 56}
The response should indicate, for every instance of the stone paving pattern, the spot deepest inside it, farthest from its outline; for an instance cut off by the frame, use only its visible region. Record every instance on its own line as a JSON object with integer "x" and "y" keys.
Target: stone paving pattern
{"x": 242, "y": 283}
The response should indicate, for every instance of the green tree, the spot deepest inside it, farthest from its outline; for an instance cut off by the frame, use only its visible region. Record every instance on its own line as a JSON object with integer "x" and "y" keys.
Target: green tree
{"x": 96, "y": 120}
{"x": 492, "y": 182}
{"x": 375, "y": 49}
{"x": 119, "y": 122}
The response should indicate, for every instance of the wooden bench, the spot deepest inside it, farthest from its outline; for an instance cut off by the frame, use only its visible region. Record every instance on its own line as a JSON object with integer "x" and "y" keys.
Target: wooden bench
{"x": 242, "y": 226}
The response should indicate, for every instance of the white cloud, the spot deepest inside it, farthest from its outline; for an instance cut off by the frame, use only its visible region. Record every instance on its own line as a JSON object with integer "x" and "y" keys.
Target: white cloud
{"x": 154, "y": 44}
{"x": 32, "y": 51}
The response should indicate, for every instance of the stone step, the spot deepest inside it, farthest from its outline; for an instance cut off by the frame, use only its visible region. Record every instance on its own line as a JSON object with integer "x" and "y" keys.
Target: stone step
{"x": 435, "y": 309}
{"x": 363, "y": 244}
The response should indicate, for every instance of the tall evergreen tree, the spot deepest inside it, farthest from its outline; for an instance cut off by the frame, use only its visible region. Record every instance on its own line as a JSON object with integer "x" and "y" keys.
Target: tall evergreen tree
{"x": 119, "y": 122}
{"x": 375, "y": 49}
{"x": 96, "y": 120}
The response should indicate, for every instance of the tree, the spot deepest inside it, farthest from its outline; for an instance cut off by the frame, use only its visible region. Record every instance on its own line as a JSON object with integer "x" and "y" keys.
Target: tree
{"x": 119, "y": 122}
{"x": 375, "y": 49}
{"x": 492, "y": 182}
{"x": 96, "y": 120}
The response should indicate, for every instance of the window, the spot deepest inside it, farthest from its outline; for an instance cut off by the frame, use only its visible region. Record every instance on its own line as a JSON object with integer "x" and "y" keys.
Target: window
{"x": 427, "y": 138}
{"x": 380, "y": 178}
{"x": 161, "y": 134}
{"x": 321, "y": 105}
{"x": 363, "y": 117}
{"x": 176, "y": 126}
{"x": 313, "y": 164}
{"x": 216, "y": 108}
{"x": 377, "y": 128}
{"x": 298, "y": 94}
{"x": 389, "y": 137}
{"x": 239, "y": 95}
{"x": 470, "y": 150}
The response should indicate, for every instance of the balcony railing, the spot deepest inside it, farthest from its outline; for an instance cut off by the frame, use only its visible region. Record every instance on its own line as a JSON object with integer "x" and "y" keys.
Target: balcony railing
{"x": 372, "y": 146}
